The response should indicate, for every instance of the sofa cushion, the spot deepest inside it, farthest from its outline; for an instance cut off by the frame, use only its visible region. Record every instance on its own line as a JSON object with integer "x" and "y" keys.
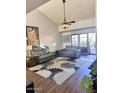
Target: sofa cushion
{"x": 46, "y": 55}
{"x": 72, "y": 48}
{"x": 68, "y": 47}
{"x": 37, "y": 53}
{"x": 45, "y": 51}
{"x": 36, "y": 48}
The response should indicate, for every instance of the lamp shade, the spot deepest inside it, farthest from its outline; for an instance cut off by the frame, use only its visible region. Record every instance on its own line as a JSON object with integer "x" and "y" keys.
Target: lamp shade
{"x": 28, "y": 50}
{"x": 29, "y": 47}
{"x": 54, "y": 44}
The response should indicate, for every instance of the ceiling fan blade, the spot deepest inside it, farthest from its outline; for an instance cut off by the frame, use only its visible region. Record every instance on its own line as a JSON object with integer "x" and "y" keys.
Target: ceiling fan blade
{"x": 66, "y": 23}
{"x": 71, "y": 22}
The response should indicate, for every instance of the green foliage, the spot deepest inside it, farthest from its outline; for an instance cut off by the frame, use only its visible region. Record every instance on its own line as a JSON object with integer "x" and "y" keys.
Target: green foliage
{"x": 86, "y": 84}
{"x": 94, "y": 71}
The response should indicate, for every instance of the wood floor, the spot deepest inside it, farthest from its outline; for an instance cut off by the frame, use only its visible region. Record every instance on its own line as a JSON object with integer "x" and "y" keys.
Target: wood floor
{"x": 71, "y": 85}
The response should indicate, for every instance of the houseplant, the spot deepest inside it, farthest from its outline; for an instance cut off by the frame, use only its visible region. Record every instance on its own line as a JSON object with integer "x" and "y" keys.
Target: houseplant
{"x": 94, "y": 77}
{"x": 89, "y": 84}
{"x": 94, "y": 72}
{"x": 86, "y": 84}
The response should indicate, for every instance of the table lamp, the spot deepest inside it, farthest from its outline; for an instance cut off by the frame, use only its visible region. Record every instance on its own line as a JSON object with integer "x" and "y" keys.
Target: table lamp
{"x": 29, "y": 50}
{"x": 54, "y": 45}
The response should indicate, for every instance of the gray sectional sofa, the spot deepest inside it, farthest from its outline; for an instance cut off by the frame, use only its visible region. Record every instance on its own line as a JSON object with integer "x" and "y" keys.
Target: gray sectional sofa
{"x": 43, "y": 53}
{"x": 70, "y": 51}
{"x": 39, "y": 55}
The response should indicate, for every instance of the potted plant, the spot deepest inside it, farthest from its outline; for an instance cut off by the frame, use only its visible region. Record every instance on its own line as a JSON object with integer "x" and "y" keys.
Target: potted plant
{"x": 94, "y": 77}
{"x": 89, "y": 84}
{"x": 94, "y": 72}
{"x": 86, "y": 84}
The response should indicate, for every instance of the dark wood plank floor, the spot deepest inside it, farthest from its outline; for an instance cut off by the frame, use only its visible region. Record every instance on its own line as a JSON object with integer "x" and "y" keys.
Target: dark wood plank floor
{"x": 71, "y": 85}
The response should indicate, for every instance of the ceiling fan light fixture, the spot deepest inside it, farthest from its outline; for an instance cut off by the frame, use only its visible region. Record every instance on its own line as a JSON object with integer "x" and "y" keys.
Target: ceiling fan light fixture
{"x": 65, "y": 26}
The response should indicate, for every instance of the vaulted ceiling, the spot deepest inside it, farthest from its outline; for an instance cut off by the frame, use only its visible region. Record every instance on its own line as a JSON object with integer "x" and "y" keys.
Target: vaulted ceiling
{"x": 75, "y": 10}
{"x": 33, "y": 4}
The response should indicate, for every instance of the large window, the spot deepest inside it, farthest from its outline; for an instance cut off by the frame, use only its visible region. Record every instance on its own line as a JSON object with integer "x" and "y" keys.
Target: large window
{"x": 79, "y": 40}
{"x": 74, "y": 40}
{"x": 87, "y": 40}
{"x": 83, "y": 40}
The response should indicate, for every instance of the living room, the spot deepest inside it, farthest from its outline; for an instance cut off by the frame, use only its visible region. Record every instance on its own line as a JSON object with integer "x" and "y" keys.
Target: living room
{"x": 49, "y": 46}
{"x": 57, "y": 53}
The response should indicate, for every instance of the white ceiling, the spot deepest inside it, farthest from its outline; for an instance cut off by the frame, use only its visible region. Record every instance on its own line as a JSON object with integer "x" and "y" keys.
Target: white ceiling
{"x": 33, "y": 4}
{"x": 75, "y": 10}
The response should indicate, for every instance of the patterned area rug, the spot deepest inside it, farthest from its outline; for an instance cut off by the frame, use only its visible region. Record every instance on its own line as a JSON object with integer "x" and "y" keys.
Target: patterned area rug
{"x": 59, "y": 69}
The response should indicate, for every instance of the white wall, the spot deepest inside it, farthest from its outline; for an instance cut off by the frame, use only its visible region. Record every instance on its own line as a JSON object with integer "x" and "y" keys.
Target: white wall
{"x": 79, "y": 31}
{"x": 48, "y": 30}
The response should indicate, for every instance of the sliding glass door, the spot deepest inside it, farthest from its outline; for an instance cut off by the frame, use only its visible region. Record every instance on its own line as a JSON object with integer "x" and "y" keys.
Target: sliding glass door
{"x": 74, "y": 40}
{"x": 87, "y": 42}
{"x": 83, "y": 43}
{"x": 83, "y": 40}
{"x": 92, "y": 42}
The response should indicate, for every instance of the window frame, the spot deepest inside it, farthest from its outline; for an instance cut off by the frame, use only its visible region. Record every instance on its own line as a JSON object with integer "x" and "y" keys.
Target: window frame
{"x": 77, "y": 41}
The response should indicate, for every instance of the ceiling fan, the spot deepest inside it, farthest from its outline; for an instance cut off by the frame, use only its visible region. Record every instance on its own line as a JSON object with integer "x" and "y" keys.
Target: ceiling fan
{"x": 66, "y": 23}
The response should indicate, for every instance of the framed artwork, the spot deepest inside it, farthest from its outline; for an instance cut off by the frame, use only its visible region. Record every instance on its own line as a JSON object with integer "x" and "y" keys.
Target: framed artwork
{"x": 32, "y": 35}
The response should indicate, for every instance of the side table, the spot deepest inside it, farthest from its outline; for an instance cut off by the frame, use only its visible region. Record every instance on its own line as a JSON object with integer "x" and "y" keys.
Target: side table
{"x": 31, "y": 61}
{"x": 57, "y": 53}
